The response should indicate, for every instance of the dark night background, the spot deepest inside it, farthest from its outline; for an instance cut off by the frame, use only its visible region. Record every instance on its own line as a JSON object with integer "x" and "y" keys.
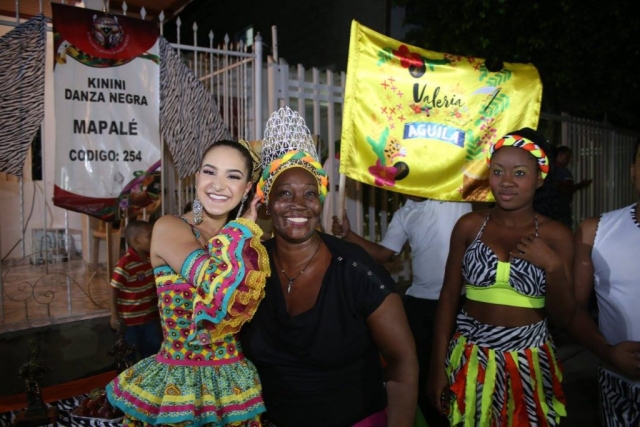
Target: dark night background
{"x": 585, "y": 50}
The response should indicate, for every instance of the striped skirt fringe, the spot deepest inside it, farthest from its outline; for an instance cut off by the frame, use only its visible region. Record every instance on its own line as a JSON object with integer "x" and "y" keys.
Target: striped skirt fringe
{"x": 503, "y": 376}
{"x": 620, "y": 400}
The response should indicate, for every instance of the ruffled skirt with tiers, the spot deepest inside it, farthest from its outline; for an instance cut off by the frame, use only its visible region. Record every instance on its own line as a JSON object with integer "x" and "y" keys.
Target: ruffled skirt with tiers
{"x": 200, "y": 376}
{"x": 221, "y": 392}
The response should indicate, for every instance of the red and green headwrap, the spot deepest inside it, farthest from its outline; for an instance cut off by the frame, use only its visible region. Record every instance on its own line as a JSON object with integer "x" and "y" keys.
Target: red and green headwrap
{"x": 527, "y": 145}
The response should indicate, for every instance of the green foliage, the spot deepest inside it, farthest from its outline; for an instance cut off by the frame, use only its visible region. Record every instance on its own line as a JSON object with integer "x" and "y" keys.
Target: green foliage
{"x": 585, "y": 50}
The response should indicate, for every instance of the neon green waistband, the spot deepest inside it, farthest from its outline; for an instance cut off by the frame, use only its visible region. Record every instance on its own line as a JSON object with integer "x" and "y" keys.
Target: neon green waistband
{"x": 502, "y": 293}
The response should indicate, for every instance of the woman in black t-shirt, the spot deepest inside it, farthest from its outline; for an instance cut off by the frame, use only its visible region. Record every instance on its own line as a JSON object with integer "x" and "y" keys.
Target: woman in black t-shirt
{"x": 328, "y": 315}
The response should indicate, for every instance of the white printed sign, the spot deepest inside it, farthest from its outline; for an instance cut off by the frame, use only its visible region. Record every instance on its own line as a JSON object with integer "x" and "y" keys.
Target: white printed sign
{"x": 107, "y": 109}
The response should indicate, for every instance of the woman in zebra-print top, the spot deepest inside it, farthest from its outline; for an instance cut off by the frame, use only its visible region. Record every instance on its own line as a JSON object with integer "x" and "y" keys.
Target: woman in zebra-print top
{"x": 500, "y": 367}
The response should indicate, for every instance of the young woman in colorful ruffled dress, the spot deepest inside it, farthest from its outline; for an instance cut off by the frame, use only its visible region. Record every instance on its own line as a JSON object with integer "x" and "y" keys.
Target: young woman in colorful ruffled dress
{"x": 210, "y": 276}
{"x": 500, "y": 366}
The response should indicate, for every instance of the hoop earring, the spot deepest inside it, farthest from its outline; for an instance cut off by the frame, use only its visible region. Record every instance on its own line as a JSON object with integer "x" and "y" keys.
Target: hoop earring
{"x": 197, "y": 211}
{"x": 244, "y": 199}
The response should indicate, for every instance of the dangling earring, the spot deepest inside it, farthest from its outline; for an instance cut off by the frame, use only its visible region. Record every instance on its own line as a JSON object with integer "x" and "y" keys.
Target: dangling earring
{"x": 244, "y": 199}
{"x": 197, "y": 211}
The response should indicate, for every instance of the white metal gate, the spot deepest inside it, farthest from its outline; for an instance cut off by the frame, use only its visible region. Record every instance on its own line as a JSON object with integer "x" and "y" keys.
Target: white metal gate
{"x": 233, "y": 74}
{"x": 230, "y": 72}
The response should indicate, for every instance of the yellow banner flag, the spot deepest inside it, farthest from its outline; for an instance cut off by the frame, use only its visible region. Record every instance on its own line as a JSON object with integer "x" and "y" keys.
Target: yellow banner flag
{"x": 419, "y": 122}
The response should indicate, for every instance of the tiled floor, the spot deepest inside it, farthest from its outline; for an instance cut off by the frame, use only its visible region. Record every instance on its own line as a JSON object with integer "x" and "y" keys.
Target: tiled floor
{"x": 39, "y": 295}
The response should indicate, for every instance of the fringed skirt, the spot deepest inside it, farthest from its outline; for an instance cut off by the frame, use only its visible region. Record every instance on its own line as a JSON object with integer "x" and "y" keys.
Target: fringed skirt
{"x": 503, "y": 376}
{"x": 620, "y": 399}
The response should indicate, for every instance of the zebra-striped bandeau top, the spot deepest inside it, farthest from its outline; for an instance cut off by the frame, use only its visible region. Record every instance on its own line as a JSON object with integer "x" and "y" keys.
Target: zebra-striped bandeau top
{"x": 516, "y": 283}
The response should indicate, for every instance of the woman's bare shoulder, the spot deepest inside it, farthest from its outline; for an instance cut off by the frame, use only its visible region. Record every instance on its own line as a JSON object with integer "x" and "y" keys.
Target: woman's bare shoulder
{"x": 167, "y": 221}
{"x": 172, "y": 241}
{"x": 469, "y": 225}
{"x": 473, "y": 220}
{"x": 169, "y": 227}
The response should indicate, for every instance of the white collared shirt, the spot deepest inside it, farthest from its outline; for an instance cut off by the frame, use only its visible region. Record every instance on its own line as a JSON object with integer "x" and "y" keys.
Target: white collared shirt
{"x": 427, "y": 225}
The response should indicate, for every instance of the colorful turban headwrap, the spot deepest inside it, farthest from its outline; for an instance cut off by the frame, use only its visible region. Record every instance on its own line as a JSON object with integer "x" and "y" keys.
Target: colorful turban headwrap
{"x": 527, "y": 145}
{"x": 289, "y": 160}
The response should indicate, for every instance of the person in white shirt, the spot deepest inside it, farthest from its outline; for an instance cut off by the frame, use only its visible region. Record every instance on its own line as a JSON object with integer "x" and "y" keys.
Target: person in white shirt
{"x": 607, "y": 260}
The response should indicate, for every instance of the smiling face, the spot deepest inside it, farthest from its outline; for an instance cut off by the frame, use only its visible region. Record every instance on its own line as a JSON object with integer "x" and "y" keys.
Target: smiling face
{"x": 514, "y": 177}
{"x": 222, "y": 181}
{"x": 294, "y": 203}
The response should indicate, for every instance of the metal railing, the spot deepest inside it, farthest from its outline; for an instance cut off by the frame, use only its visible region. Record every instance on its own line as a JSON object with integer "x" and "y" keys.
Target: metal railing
{"x": 230, "y": 72}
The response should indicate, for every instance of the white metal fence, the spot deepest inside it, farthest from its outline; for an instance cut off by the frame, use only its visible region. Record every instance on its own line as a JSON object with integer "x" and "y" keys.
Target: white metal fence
{"x": 604, "y": 154}
{"x": 230, "y": 72}
{"x": 233, "y": 74}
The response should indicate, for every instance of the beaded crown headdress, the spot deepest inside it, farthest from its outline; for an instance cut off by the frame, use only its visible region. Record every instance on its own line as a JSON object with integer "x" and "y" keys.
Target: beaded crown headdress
{"x": 287, "y": 143}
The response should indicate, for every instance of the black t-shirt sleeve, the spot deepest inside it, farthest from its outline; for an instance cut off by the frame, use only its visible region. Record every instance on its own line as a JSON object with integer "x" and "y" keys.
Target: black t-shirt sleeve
{"x": 368, "y": 281}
